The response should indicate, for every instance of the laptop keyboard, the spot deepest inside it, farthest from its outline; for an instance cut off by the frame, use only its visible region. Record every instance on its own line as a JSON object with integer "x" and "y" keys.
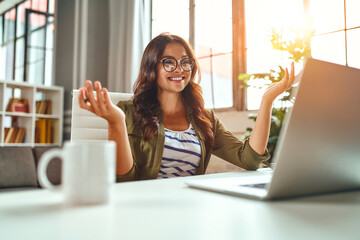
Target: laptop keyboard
{"x": 257, "y": 185}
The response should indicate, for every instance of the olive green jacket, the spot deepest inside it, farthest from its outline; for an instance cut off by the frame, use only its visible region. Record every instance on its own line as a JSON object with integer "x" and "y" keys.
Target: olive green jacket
{"x": 147, "y": 155}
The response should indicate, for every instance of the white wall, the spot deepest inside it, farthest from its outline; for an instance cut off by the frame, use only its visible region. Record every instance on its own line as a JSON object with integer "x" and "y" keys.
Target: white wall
{"x": 236, "y": 122}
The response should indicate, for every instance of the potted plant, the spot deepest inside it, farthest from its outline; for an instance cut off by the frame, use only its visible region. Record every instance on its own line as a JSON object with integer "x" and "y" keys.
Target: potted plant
{"x": 298, "y": 49}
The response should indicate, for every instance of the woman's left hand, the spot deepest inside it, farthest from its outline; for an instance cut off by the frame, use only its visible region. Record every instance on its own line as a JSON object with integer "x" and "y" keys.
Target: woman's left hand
{"x": 275, "y": 89}
{"x": 260, "y": 134}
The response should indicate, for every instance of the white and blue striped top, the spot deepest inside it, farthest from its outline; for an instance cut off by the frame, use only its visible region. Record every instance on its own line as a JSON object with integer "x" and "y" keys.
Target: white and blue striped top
{"x": 181, "y": 154}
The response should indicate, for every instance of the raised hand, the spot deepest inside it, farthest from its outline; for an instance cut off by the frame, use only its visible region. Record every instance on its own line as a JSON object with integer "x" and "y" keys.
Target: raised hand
{"x": 278, "y": 88}
{"x": 100, "y": 105}
{"x": 260, "y": 134}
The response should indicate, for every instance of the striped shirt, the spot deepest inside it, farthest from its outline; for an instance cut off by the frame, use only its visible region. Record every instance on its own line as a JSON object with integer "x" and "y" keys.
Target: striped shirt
{"x": 181, "y": 154}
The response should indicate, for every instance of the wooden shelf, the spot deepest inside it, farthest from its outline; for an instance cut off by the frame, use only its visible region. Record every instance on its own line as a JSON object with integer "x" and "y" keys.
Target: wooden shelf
{"x": 18, "y": 114}
{"x": 47, "y": 116}
{"x": 18, "y": 145}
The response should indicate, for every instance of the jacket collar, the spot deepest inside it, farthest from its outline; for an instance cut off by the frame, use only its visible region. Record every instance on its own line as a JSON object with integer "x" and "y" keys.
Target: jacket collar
{"x": 132, "y": 129}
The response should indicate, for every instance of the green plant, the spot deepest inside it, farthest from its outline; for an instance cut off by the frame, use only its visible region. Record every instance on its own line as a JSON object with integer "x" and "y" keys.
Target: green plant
{"x": 298, "y": 49}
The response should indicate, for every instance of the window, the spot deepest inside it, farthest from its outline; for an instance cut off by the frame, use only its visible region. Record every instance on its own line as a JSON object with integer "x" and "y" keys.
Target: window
{"x": 164, "y": 19}
{"x": 214, "y": 28}
{"x": 8, "y": 43}
{"x": 212, "y": 40}
{"x": 260, "y": 17}
{"x": 2, "y": 70}
{"x": 218, "y": 28}
{"x": 337, "y": 31}
{"x": 26, "y": 44}
{"x": 213, "y": 48}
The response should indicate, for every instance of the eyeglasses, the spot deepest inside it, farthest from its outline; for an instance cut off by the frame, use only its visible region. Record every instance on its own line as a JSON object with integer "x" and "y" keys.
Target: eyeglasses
{"x": 170, "y": 64}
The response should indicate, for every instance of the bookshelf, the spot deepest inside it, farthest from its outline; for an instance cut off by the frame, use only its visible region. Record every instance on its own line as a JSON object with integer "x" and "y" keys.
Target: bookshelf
{"x": 50, "y": 121}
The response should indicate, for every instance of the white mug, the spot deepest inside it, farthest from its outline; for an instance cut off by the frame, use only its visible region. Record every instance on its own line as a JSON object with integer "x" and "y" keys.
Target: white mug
{"x": 88, "y": 170}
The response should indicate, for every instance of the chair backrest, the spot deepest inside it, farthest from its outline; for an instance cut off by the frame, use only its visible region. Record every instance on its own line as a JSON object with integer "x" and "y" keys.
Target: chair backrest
{"x": 87, "y": 126}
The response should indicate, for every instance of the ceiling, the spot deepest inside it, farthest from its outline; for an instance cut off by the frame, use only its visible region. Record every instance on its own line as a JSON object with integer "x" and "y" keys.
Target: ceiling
{"x": 6, "y": 4}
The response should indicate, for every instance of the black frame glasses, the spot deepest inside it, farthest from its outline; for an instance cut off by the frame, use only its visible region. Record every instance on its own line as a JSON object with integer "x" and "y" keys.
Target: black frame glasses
{"x": 170, "y": 64}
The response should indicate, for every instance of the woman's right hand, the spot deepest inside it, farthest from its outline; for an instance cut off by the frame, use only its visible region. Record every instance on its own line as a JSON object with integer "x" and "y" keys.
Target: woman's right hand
{"x": 100, "y": 105}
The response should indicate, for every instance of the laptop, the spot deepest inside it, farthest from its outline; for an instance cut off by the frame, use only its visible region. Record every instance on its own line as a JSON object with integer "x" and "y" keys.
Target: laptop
{"x": 318, "y": 150}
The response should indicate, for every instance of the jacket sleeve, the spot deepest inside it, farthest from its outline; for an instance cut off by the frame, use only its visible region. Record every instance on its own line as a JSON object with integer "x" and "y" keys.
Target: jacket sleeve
{"x": 133, "y": 173}
{"x": 232, "y": 150}
{"x": 130, "y": 176}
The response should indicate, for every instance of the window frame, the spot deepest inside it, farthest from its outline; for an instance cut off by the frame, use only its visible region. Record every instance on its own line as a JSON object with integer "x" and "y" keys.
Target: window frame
{"x": 345, "y": 29}
{"x": 239, "y": 52}
{"x": 13, "y": 38}
{"x": 25, "y": 35}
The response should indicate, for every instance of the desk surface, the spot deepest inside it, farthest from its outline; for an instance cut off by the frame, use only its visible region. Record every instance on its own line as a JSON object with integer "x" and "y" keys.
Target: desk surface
{"x": 167, "y": 209}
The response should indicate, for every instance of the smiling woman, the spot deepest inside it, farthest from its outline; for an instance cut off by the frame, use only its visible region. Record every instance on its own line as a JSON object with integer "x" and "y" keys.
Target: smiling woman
{"x": 165, "y": 130}
{"x": 173, "y": 77}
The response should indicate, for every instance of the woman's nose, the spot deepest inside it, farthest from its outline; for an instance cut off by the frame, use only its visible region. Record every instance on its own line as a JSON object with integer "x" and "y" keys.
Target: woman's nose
{"x": 178, "y": 67}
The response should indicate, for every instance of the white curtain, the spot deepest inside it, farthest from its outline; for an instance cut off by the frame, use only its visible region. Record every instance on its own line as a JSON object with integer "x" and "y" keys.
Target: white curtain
{"x": 129, "y": 35}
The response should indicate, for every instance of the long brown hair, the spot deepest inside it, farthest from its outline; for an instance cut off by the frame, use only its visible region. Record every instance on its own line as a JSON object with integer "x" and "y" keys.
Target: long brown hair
{"x": 147, "y": 106}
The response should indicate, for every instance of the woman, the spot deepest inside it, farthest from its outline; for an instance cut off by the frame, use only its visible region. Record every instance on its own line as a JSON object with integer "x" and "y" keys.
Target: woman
{"x": 165, "y": 131}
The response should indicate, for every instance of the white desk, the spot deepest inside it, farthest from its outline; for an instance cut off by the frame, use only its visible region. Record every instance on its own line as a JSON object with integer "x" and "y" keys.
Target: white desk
{"x": 167, "y": 209}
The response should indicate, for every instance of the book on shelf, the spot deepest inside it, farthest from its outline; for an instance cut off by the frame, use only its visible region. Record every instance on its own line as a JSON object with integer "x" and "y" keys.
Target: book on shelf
{"x": 43, "y": 107}
{"x": 20, "y": 136}
{"x": 14, "y": 135}
{"x": 43, "y": 131}
{"x": 48, "y": 107}
{"x": 8, "y": 135}
{"x": 18, "y": 105}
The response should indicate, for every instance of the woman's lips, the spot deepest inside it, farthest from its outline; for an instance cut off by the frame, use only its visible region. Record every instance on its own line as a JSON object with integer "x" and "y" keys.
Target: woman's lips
{"x": 176, "y": 78}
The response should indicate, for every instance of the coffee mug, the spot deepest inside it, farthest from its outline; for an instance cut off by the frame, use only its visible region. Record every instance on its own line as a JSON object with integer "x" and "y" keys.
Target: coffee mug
{"x": 88, "y": 170}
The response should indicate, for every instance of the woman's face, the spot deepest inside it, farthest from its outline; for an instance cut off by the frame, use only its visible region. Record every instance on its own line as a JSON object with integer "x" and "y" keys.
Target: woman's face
{"x": 177, "y": 80}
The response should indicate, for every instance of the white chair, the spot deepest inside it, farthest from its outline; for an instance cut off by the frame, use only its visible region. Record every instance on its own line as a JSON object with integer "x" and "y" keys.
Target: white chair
{"x": 87, "y": 126}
